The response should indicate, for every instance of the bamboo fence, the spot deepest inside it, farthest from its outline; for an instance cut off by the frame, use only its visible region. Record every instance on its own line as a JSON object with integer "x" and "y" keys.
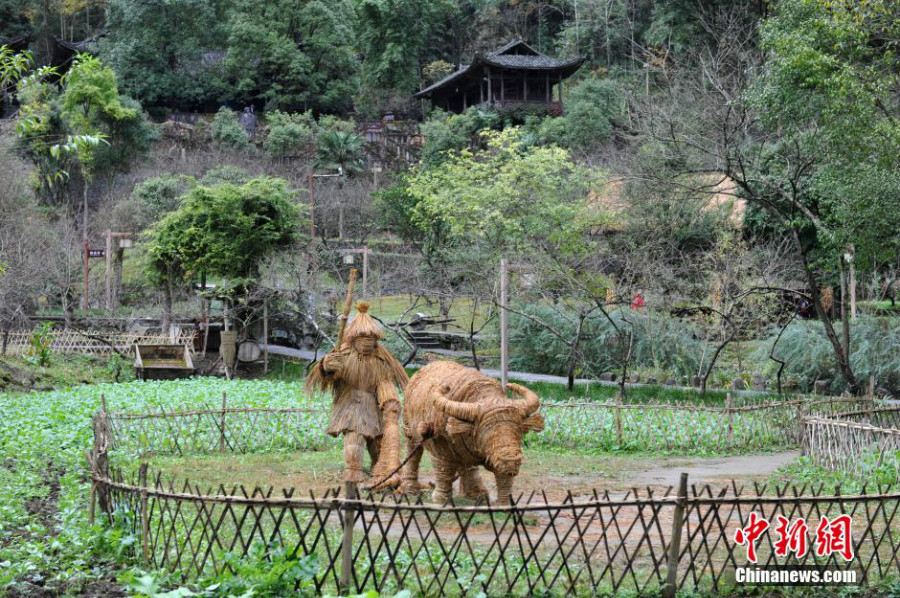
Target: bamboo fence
{"x": 576, "y": 425}
{"x": 639, "y": 542}
{"x": 97, "y": 343}
{"x": 860, "y": 442}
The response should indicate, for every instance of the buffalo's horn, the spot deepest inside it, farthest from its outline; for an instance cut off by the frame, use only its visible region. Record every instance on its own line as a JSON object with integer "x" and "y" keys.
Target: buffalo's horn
{"x": 465, "y": 411}
{"x": 531, "y": 402}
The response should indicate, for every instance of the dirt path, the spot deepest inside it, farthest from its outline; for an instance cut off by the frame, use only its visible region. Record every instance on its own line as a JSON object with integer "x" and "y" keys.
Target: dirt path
{"x": 716, "y": 470}
{"x": 553, "y": 472}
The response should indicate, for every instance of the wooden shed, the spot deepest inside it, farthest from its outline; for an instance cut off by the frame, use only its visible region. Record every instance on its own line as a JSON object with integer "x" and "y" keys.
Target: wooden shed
{"x": 162, "y": 362}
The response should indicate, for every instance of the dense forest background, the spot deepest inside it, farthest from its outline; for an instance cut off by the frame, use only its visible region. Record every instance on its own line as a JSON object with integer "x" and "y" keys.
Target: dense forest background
{"x": 349, "y": 55}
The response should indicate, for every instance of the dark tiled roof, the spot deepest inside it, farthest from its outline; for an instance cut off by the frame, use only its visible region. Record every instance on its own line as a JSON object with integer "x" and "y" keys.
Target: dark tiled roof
{"x": 88, "y": 45}
{"x": 16, "y": 43}
{"x": 521, "y": 61}
{"x": 454, "y": 75}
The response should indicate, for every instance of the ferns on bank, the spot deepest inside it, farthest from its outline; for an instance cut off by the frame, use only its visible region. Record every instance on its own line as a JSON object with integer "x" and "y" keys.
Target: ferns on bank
{"x": 809, "y": 356}
{"x": 655, "y": 341}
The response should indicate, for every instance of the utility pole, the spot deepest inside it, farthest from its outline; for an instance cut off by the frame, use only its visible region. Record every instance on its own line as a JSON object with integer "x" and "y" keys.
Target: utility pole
{"x": 85, "y": 300}
{"x": 312, "y": 204}
{"x": 365, "y": 270}
{"x": 365, "y": 251}
{"x": 109, "y": 299}
{"x": 504, "y": 324}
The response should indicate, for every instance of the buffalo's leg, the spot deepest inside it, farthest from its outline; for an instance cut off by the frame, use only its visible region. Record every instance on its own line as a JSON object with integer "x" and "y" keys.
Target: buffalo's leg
{"x": 354, "y": 445}
{"x": 444, "y": 476}
{"x": 411, "y": 483}
{"x": 504, "y": 487}
{"x": 471, "y": 485}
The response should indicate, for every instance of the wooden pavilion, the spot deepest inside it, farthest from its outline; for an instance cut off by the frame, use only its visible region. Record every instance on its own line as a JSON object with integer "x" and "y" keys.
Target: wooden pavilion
{"x": 513, "y": 75}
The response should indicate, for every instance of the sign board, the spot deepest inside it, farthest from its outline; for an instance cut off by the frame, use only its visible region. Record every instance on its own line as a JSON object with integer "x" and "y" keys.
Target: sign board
{"x": 96, "y": 253}
{"x": 125, "y": 243}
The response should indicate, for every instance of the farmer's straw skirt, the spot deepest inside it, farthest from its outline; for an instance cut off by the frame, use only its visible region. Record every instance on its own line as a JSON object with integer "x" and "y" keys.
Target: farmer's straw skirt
{"x": 355, "y": 411}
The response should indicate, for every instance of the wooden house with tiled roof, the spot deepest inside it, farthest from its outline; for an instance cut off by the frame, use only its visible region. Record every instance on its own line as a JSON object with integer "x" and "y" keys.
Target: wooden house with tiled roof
{"x": 509, "y": 76}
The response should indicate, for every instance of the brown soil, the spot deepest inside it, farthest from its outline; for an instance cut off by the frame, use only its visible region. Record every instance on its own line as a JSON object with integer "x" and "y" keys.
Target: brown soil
{"x": 44, "y": 508}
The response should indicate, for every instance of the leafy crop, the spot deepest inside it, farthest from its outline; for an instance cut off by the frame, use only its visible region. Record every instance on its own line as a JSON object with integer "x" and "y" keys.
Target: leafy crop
{"x": 44, "y": 533}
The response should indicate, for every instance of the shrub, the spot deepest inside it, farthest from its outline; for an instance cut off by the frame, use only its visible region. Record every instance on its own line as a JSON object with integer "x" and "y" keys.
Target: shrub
{"x": 552, "y": 130}
{"x": 592, "y": 109}
{"x": 40, "y": 351}
{"x": 150, "y": 200}
{"x": 546, "y": 131}
{"x": 227, "y": 130}
{"x": 119, "y": 368}
{"x": 289, "y": 134}
{"x": 447, "y": 132}
{"x": 328, "y": 122}
{"x": 660, "y": 343}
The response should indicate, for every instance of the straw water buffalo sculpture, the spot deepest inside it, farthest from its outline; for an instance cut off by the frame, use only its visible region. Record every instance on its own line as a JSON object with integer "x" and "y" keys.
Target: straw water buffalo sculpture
{"x": 465, "y": 420}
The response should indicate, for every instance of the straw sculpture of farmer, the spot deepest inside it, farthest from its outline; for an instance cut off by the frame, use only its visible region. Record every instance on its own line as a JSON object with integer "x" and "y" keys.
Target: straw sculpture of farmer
{"x": 363, "y": 376}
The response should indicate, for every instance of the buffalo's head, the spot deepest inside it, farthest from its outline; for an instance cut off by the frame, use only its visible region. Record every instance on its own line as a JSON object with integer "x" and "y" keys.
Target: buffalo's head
{"x": 496, "y": 424}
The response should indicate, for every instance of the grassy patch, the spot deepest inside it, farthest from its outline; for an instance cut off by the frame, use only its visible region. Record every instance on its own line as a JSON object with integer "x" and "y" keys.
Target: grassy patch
{"x": 804, "y": 472}
{"x": 17, "y": 374}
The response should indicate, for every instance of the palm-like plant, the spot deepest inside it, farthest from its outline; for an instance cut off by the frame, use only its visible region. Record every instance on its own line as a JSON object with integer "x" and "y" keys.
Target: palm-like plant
{"x": 341, "y": 149}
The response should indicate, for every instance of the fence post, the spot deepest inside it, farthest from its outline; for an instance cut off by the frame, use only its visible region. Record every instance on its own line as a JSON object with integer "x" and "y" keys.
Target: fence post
{"x": 675, "y": 540}
{"x": 99, "y": 460}
{"x": 145, "y": 516}
{"x": 618, "y": 416}
{"x": 222, "y": 424}
{"x": 351, "y": 492}
{"x": 801, "y": 428}
{"x": 729, "y": 413}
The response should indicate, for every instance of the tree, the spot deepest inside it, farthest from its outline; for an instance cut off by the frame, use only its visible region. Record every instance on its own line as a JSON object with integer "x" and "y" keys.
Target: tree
{"x": 515, "y": 199}
{"x": 82, "y": 122}
{"x": 342, "y": 150}
{"x": 224, "y": 230}
{"x": 505, "y": 196}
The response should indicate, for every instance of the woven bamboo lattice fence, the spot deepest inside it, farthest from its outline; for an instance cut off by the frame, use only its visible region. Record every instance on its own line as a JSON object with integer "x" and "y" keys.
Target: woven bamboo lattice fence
{"x": 861, "y": 442}
{"x": 95, "y": 342}
{"x": 590, "y": 544}
{"x": 764, "y": 426}
{"x": 683, "y": 427}
{"x": 596, "y": 542}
